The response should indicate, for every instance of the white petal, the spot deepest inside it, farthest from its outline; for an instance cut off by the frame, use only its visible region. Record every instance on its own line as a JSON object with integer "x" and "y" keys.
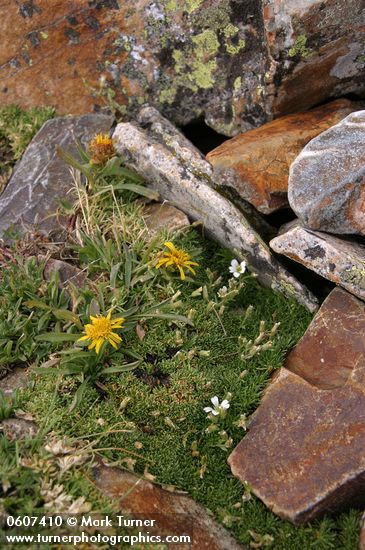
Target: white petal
{"x": 234, "y": 263}
{"x": 225, "y": 404}
{"x": 215, "y": 413}
{"x": 215, "y": 401}
{"x": 243, "y": 267}
{"x": 208, "y": 409}
{"x": 232, "y": 269}
{"x": 236, "y": 274}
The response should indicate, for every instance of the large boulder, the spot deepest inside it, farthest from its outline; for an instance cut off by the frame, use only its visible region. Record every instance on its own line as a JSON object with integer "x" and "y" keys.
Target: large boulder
{"x": 304, "y": 454}
{"x": 255, "y": 164}
{"x": 236, "y": 63}
{"x": 327, "y": 180}
{"x": 42, "y": 178}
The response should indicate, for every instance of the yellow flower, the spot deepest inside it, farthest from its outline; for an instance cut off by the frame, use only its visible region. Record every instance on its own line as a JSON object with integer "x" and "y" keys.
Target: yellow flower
{"x": 101, "y": 330}
{"x": 101, "y": 149}
{"x": 177, "y": 258}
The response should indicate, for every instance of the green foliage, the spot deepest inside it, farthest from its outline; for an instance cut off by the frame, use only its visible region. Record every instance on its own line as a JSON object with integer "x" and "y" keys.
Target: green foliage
{"x": 17, "y": 128}
{"x": 28, "y": 306}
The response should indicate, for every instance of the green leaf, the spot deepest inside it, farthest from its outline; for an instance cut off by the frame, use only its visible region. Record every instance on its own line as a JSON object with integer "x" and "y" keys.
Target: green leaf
{"x": 57, "y": 337}
{"x": 113, "y": 275}
{"x": 66, "y": 315}
{"x": 127, "y": 267}
{"x": 78, "y": 395}
{"x": 36, "y": 303}
{"x": 121, "y": 368}
{"x": 138, "y": 189}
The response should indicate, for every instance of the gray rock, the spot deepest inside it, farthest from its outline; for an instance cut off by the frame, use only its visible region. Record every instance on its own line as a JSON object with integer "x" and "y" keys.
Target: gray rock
{"x": 338, "y": 259}
{"x": 15, "y": 379}
{"x": 41, "y": 177}
{"x": 327, "y": 180}
{"x": 67, "y": 273}
{"x": 193, "y": 194}
{"x": 16, "y": 429}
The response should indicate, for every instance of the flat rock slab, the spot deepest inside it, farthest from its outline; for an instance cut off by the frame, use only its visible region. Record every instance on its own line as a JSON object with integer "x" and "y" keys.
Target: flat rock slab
{"x": 174, "y": 513}
{"x": 160, "y": 216}
{"x": 42, "y": 178}
{"x": 333, "y": 344}
{"x": 337, "y": 259}
{"x": 256, "y": 164}
{"x": 304, "y": 454}
{"x": 165, "y": 169}
{"x": 327, "y": 180}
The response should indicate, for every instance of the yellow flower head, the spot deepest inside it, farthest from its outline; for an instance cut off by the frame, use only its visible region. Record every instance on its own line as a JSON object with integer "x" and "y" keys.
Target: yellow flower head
{"x": 100, "y": 330}
{"x": 101, "y": 149}
{"x": 176, "y": 258}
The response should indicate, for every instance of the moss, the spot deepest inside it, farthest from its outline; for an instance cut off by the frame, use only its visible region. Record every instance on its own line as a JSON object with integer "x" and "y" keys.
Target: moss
{"x": 235, "y": 49}
{"x": 167, "y": 95}
{"x": 300, "y": 48}
{"x": 237, "y": 84}
{"x": 192, "y": 5}
{"x": 206, "y": 43}
{"x": 230, "y": 30}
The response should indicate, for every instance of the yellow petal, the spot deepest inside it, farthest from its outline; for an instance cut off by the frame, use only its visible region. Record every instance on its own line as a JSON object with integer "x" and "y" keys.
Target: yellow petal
{"x": 182, "y": 274}
{"x": 98, "y": 345}
{"x": 86, "y": 337}
{"x": 170, "y": 246}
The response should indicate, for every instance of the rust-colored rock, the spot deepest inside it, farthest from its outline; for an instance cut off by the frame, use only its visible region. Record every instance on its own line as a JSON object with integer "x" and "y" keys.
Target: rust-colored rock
{"x": 255, "y": 164}
{"x": 304, "y": 454}
{"x": 174, "y": 513}
{"x": 160, "y": 216}
{"x": 338, "y": 259}
{"x": 237, "y": 64}
{"x": 333, "y": 344}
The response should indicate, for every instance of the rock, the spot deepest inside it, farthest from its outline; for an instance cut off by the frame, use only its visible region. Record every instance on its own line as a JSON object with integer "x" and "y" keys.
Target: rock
{"x": 255, "y": 164}
{"x": 304, "y": 453}
{"x": 337, "y": 259}
{"x": 326, "y": 358}
{"x": 193, "y": 194}
{"x": 327, "y": 179}
{"x": 16, "y": 429}
{"x": 41, "y": 177}
{"x": 164, "y": 216}
{"x": 16, "y": 379}
{"x": 161, "y": 130}
{"x": 174, "y": 513}
{"x": 236, "y": 64}
{"x": 312, "y": 55}
{"x": 67, "y": 273}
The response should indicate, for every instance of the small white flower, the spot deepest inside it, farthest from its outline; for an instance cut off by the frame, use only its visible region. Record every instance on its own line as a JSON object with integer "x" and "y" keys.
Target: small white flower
{"x": 218, "y": 408}
{"x": 237, "y": 268}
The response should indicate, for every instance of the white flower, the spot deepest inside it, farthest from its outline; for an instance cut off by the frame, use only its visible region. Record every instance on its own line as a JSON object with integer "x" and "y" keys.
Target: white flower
{"x": 218, "y": 408}
{"x": 237, "y": 268}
